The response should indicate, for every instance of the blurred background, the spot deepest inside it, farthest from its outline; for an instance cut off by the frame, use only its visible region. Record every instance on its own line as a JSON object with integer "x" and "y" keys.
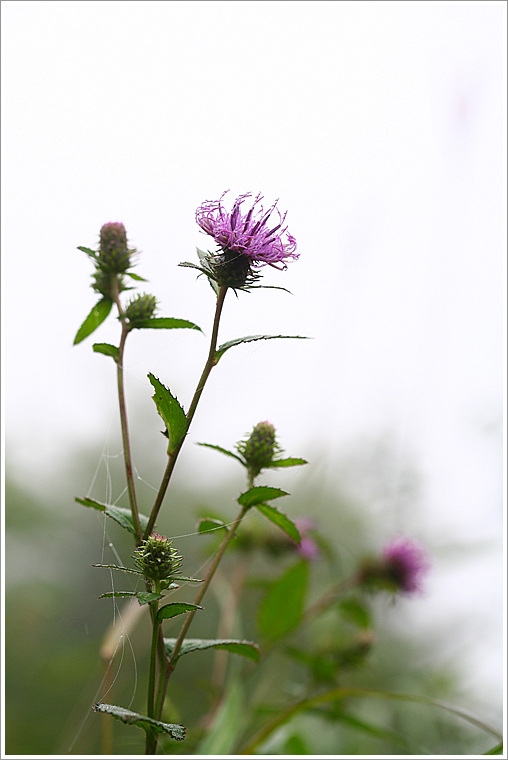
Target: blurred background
{"x": 381, "y": 127}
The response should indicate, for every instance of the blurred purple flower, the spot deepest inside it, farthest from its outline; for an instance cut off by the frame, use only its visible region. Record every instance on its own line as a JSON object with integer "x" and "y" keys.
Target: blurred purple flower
{"x": 406, "y": 564}
{"x": 248, "y": 234}
{"x": 308, "y": 548}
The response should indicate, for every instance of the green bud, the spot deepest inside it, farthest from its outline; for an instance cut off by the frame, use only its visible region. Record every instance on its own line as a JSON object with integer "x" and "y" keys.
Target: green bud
{"x": 259, "y": 449}
{"x": 140, "y": 308}
{"x": 114, "y": 255}
{"x": 156, "y": 559}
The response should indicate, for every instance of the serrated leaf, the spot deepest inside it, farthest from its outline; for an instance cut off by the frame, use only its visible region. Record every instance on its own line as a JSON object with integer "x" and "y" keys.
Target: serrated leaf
{"x": 287, "y": 462}
{"x": 281, "y": 520}
{"x": 96, "y": 317}
{"x": 249, "y": 339}
{"x": 282, "y": 608}
{"x": 121, "y": 515}
{"x": 136, "y": 277}
{"x": 234, "y": 646}
{"x": 259, "y": 494}
{"x": 118, "y": 567}
{"x": 145, "y": 597}
{"x": 171, "y": 412}
{"x": 224, "y": 451}
{"x": 174, "y": 609}
{"x": 107, "y": 349}
{"x": 166, "y": 323}
{"x": 147, "y": 724}
{"x": 210, "y": 525}
{"x": 116, "y": 594}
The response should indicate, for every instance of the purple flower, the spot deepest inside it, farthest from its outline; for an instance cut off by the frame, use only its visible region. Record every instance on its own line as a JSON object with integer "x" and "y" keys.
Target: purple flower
{"x": 406, "y": 564}
{"x": 308, "y": 548}
{"x": 249, "y": 234}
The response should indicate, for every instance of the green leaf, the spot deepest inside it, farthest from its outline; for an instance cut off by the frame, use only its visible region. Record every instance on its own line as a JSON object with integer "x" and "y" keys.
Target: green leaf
{"x": 356, "y": 611}
{"x": 223, "y": 734}
{"x": 249, "y": 339}
{"x": 166, "y": 323}
{"x": 209, "y": 525}
{"x": 117, "y": 567}
{"x": 116, "y": 594}
{"x": 136, "y": 277}
{"x": 258, "y": 494}
{"x": 283, "y": 606}
{"x": 295, "y": 745}
{"x": 176, "y": 608}
{"x": 280, "y": 519}
{"x": 171, "y": 412}
{"x": 288, "y": 462}
{"x": 147, "y": 724}
{"x": 121, "y": 515}
{"x": 96, "y": 317}
{"x": 224, "y": 451}
{"x": 497, "y": 750}
{"x": 145, "y": 597}
{"x": 107, "y": 349}
{"x": 242, "y": 648}
{"x": 88, "y": 251}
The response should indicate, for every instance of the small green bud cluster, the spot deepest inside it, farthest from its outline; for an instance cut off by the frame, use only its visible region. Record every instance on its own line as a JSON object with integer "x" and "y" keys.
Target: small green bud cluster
{"x": 157, "y": 560}
{"x": 259, "y": 449}
{"x": 139, "y": 309}
{"x": 231, "y": 269}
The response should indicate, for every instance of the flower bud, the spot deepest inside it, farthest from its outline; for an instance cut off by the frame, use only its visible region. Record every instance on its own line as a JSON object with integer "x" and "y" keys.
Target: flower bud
{"x": 114, "y": 255}
{"x": 258, "y": 450}
{"x": 139, "y": 309}
{"x": 156, "y": 558}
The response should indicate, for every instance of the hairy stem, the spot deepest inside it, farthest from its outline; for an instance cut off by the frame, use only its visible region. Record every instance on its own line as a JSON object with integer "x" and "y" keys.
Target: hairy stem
{"x": 210, "y": 362}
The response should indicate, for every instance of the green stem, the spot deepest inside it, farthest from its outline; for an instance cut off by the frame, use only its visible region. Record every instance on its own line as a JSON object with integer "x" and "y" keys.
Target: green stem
{"x": 123, "y": 419}
{"x": 163, "y": 682}
{"x": 210, "y": 363}
{"x": 151, "y": 738}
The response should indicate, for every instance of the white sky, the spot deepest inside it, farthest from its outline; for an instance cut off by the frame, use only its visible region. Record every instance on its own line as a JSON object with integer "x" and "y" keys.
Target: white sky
{"x": 380, "y": 126}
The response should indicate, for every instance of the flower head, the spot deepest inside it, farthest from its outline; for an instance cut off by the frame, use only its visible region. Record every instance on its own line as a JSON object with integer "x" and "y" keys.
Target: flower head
{"x": 406, "y": 563}
{"x": 259, "y": 448}
{"x": 245, "y": 238}
{"x": 402, "y": 567}
{"x": 114, "y": 254}
{"x": 308, "y": 548}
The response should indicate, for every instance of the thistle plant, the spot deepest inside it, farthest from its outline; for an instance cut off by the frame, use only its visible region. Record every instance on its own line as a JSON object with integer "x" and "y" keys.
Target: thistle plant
{"x": 247, "y": 239}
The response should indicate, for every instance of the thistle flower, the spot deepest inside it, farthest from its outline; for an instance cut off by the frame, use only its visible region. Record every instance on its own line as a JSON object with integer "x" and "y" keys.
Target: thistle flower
{"x": 402, "y": 567}
{"x": 157, "y": 560}
{"x": 245, "y": 240}
{"x": 308, "y": 548}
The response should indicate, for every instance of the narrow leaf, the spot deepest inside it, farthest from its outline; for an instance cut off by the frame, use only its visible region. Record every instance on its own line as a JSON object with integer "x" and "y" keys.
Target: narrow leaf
{"x": 288, "y": 462}
{"x": 136, "y": 277}
{"x": 121, "y": 515}
{"x": 147, "y": 724}
{"x": 249, "y": 339}
{"x": 167, "y": 323}
{"x": 280, "y": 519}
{"x": 258, "y": 494}
{"x": 228, "y": 724}
{"x": 209, "y": 525}
{"x": 176, "y": 608}
{"x": 96, "y": 317}
{"x": 283, "y": 606}
{"x": 171, "y": 412}
{"x": 117, "y": 567}
{"x": 223, "y": 451}
{"x": 497, "y": 750}
{"x": 107, "y": 349}
{"x": 88, "y": 251}
{"x": 115, "y": 594}
{"x": 242, "y": 648}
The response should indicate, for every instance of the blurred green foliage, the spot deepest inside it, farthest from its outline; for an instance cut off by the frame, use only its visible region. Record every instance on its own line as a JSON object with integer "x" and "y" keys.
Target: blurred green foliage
{"x": 55, "y": 625}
